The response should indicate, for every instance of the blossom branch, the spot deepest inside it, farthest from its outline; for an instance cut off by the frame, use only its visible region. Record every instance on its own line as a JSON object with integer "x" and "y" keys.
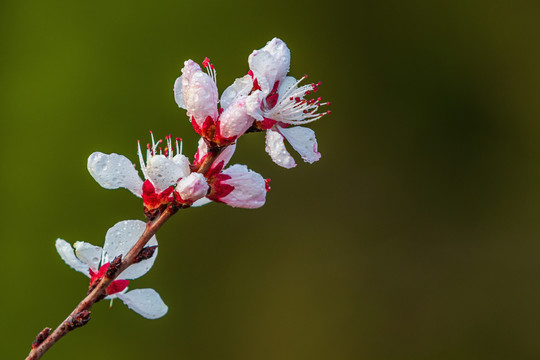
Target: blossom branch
{"x": 81, "y": 314}
{"x": 265, "y": 99}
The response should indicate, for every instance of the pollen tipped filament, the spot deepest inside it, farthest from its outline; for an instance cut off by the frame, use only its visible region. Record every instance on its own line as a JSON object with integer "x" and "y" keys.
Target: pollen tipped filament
{"x": 210, "y": 69}
{"x": 292, "y": 108}
{"x": 153, "y": 149}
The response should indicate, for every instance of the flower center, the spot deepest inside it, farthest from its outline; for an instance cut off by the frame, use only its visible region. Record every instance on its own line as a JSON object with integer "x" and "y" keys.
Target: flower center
{"x": 115, "y": 287}
{"x": 292, "y": 108}
{"x": 154, "y": 149}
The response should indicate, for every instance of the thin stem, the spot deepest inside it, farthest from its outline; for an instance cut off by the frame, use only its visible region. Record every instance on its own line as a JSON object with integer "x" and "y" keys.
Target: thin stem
{"x": 81, "y": 315}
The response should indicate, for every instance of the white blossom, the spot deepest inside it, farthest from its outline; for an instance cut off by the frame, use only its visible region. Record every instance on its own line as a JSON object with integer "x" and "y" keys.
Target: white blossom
{"x": 277, "y": 102}
{"x": 93, "y": 261}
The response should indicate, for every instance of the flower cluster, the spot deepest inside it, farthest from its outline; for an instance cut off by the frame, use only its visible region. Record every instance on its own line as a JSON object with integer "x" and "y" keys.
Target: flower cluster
{"x": 265, "y": 99}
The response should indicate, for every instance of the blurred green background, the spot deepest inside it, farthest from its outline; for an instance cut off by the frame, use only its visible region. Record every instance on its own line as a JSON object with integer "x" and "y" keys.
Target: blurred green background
{"x": 416, "y": 236}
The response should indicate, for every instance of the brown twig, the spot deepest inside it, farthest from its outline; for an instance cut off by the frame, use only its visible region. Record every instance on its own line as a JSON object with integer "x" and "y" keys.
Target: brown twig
{"x": 81, "y": 314}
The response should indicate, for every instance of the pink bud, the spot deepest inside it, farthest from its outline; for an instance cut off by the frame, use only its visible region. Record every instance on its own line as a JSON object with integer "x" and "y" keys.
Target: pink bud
{"x": 233, "y": 122}
{"x": 192, "y": 187}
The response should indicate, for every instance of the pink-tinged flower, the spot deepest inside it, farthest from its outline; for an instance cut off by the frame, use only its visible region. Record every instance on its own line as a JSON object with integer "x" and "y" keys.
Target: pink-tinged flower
{"x": 196, "y": 91}
{"x": 94, "y": 262}
{"x": 162, "y": 170}
{"x": 277, "y": 103}
{"x": 236, "y": 186}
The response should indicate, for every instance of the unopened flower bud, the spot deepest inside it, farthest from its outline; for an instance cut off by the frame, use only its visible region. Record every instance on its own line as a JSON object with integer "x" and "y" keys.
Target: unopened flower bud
{"x": 192, "y": 187}
{"x": 233, "y": 122}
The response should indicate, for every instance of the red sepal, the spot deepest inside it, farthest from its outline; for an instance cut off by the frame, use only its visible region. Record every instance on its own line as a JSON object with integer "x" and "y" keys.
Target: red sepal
{"x": 220, "y": 189}
{"x": 214, "y": 170}
{"x": 116, "y": 286}
{"x": 101, "y": 272}
{"x": 223, "y": 141}
{"x": 265, "y": 124}
{"x": 155, "y": 202}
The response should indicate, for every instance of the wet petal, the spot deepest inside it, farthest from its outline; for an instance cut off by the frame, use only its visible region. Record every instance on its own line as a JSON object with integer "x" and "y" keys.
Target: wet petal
{"x": 201, "y": 202}
{"x": 303, "y": 140}
{"x": 66, "y": 252}
{"x": 249, "y": 188}
{"x": 275, "y": 147}
{"x": 285, "y": 85}
{"x": 199, "y": 93}
{"x": 270, "y": 64}
{"x": 241, "y": 87}
{"x": 235, "y": 120}
{"x": 114, "y": 171}
{"x": 253, "y": 105}
{"x": 202, "y": 151}
{"x": 177, "y": 89}
{"x": 183, "y": 162}
{"x": 145, "y": 302}
{"x": 192, "y": 187}
{"x": 88, "y": 254}
{"x": 164, "y": 172}
{"x": 120, "y": 239}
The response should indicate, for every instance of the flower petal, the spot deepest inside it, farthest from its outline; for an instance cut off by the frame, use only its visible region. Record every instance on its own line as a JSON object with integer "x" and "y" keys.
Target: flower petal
{"x": 248, "y": 187}
{"x": 235, "y": 120}
{"x": 303, "y": 140}
{"x": 177, "y": 89}
{"x": 164, "y": 172}
{"x": 199, "y": 93}
{"x": 120, "y": 239}
{"x": 253, "y": 105}
{"x": 270, "y": 64}
{"x": 183, "y": 162}
{"x": 88, "y": 254}
{"x": 241, "y": 86}
{"x": 284, "y": 86}
{"x": 145, "y": 302}
{"x": 202, "y": 151}
{"x": 201, "y": 202}
{"x": 192, "y": 187}
{"x": 275, "y": 147}
{"x": 114, "y": 171}
{"x": 66, "y": 252}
